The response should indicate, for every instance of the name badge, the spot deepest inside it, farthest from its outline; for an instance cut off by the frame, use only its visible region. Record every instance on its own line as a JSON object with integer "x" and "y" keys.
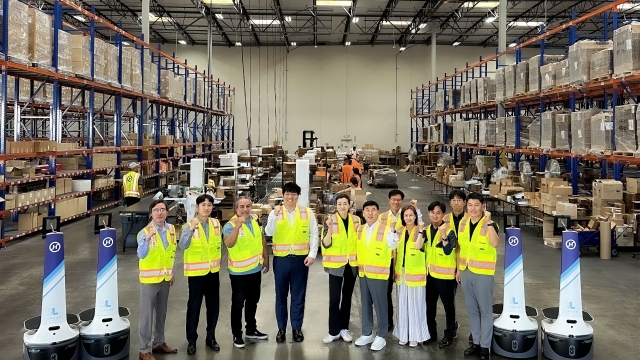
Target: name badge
{"x": 153, "y": 243}
{"x": 241, "y": 233}
{"x": 196, "y": 233}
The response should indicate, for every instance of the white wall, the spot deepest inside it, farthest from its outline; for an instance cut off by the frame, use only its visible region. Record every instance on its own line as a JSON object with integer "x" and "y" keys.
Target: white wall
{"x": 335, "y": 91}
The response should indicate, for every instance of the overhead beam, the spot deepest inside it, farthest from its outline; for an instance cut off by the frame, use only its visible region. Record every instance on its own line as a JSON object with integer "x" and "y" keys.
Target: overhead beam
{"x": 478, "y": 24}
{"x": 161, "y": 12}
{"x": 347, "y": 25}
{"x": 247, "y": 18}
{"x": 126, "y": 12}
{"x": 285, "y": 36}
{"x": 423, "y": 16}
{"x": 388, "y": 10}
{"x": 206, "y": 12}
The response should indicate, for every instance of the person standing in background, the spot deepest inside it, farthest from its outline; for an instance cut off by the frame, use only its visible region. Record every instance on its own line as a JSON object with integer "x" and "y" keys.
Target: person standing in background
{"x": 347, "y": 171}
{"x": 131, "y": 185}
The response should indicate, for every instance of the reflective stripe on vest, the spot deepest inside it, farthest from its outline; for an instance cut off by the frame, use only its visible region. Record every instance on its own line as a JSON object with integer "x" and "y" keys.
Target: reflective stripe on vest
{"x": 130, "y": 184}
{"x": 246, "y": 254}
{"x": 440, "y": 265}
{"x": 476, "y": 252}
{"x": 292, "y": 239}
{"x": 157, "y": 266}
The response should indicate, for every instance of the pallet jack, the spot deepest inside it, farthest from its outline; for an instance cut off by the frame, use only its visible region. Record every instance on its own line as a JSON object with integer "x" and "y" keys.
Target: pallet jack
{"x": 54, "y": 334}
{"x": 515, "y": 331}
{"x": 565, "y": 333}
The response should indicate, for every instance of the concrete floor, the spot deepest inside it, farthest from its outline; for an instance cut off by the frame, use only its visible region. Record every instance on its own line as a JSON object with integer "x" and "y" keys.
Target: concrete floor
{"x": 610, "y": 292}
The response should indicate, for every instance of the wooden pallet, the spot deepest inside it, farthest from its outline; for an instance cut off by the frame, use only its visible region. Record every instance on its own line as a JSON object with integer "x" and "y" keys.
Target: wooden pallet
{"x": 560, "y": 150}
{"x": 601, "y": 78}
{"x": 601, "y": 152}
{"x": 625, "y": 74}
{"x": 553, "y": 242}
{"x": 624, "y": 153}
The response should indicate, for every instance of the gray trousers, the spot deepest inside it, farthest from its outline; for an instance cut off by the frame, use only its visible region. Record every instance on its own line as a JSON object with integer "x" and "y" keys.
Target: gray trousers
{"x": 153, "y": 298}
{"x": 478, "y": 295}
{"x": 373, "y": 293}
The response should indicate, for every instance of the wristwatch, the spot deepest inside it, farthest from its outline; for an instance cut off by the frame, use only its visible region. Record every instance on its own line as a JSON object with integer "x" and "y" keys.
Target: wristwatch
{"x": 493, "y": 225}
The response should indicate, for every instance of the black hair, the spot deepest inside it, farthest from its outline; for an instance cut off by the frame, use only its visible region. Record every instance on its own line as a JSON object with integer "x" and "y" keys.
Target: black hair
{"x": 343, "y": 196}
{"x": 370, "y": 203}
{"x": 395, "y": 192}
{"x": 356, "y": 171}
{"x": 475, "y": 196}
{"x": 202, "y": 198}
{"x": 354, "y": 181}
{"x": 415, "y": 212}
{"x": 156, "y": 202}
{"x": 457, "y": 193}
{"x": 291, "y": 187}
{"x": 439, "y": 204}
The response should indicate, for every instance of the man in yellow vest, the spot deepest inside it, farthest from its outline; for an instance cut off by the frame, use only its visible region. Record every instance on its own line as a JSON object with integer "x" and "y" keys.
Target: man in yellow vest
{"x": 376, "y": 241}
{"x": 441, "y": 270}
{"x": 247, "y": 261}
{"x": 156, "y": 250}
{"x": 294, "y": 232}
{"x": 131, "y": 185}
{"x": 478, "y": 240}
{"x": 458, "y": 201}
{"x": 201, "y": 241}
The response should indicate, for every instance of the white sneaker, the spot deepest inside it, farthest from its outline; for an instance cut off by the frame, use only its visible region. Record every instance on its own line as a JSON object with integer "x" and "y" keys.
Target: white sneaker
{"x": 378, "y": 344}
{"x": 345, "y": 335}
{"x": 413, "y": 344}
{"x": 365, "y": 340}
{"x": 402, "y": 343}
{"x": 329, "y": 338}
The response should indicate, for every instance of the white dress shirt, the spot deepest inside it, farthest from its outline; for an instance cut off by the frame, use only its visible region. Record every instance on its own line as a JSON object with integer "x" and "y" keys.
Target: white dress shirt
{"x": 397, "y": 219}
{"x": 270, "y": 228}
{"x": 392, "y": 237}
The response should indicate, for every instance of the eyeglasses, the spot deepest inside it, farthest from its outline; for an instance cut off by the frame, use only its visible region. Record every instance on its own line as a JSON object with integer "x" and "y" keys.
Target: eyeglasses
{"x": 396, "y": 199}
{"x": 159, "y": 211}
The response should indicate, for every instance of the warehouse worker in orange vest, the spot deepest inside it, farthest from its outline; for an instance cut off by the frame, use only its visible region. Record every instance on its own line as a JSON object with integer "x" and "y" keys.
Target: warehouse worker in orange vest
{"x": 478, "y": 240}
{"x": 131, "y": 185}
{"x": 294, "y": 230}
{"x": 201, "y": 241}
{"x": 375, "y": 244}
{"x": 156, "y": 250}
{"x": 339, "y": 261}
{"x": 248, "y": 260}
{"x": 347, "y": 171}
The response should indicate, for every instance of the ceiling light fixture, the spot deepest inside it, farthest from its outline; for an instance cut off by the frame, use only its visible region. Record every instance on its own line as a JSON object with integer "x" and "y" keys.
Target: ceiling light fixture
{"x": 238, "y": 44}
{"x": 80, "y": 18}
{"x": 627, "y": 6}
{"x": 182, "y": 42}
{"x": 126, "y": 43}
{"x": 265, "y": 21}
{"x": 513, "y": 45}
{"x": 287, "y": 18}
{"x": 526, "y": 23}
{"x": 348, "y": 43}
{"x": 481, "y": 4}
{"x": 456, "y": 43}
{"x": 403, "y": 49}
{"x": 490, "y": 19}
{"x": 422, "y": 26}
{"x": 218, "y": 2}
{"x": 355, "y": 20}
{"x": 219, "y": 16}
{"x": 346, "y": 3}
{"x": 396, "y": 22}
{"x": 293, "y": 43}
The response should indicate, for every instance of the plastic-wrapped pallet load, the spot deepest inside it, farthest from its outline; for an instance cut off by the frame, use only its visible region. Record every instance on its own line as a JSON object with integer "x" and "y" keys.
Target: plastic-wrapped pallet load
{"x": 534, "y": 134}
{"x": 65, "y": 64}
{"x": 601, "y": 64}
{"x": 535, "y": 71}
{"x": 386, "y": 177}
{"x": 434, "y": 133}
{"x": 200, "y": 91}
{"x": 65, "y": 95}
{"x": 625, "y": 128}
{"x": 489, "y": 90}
{"x": 150, "y": 78}
{"x": 581, "y": 130}
{"x": 166, "y": 84}
{"x": 473, "y": 90}
{"x": 40, "y": 38}
{"x": 548, "y": 139}
{"x": 579, "y": 63}
{"x": 548, "y": 76}
{"x": 463, "y": 95}
{"x": 501, "y": 128}
{"x": 453, "y": 98}
{"x": 601, "y": 132}
{"x": 136, "y": 71}
{"x": 24, "y": 89}
{"x": 563, "y": 131}
{"x": 425, "y": 134}
{"x": 510, "y": 81}
{"x": 486, "y": 132}
{"x": 81, "y": 56}
{"x": 626, "y": 49}
{"x": 472, "y": 132}
{"x": 522, "y": 78}
{"x": 100, "y": 60}
{"x": 127, "y": 55}
{"x": 480, "y": 84}
{"x": 18, "y": 34}
{"x": 111, "y": 60}
{"x": 440, "y": 100}
{"x": 562, "y": 73}
{"x": 510, "y": 126}
{"x": 458, "y": 132}
{"x": 500, "y": 84}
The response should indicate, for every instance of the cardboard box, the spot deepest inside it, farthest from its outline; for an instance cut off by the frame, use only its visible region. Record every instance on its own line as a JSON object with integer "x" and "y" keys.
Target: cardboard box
{"x": 633, "y": 185}
{"x": 547, "y": 227}
{"x": 27, "y": 221}
{"x": 560, "y": 189}
{"x": 68, "y": 185}
{"x": 607, "y": 189}
{"x": 563, "y": 208}
{"x": 546, "y": 183}
{"x": 226, "y": 214}
{"x": 624, "y": 235}
{"x": 80, "y": 185}
{"x": 554, "y": 242}
{"x": 358, "y": 196}
{"x": 82, "y": 205}
{"x": 338, "y": 187}
{"x": 552, "y": 200}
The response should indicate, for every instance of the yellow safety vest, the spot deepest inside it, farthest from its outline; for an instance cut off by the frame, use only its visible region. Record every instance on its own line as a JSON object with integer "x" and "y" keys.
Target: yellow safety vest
{"x": 343, "y": 243}
{"x": 247, "y": 253}
{"x": 374, "y": 259}
{"x": 292, "y": 239}
{"x": 386, "y": 218}
{"x": 449, "y": 218}
{"x": 158, "y": 265}
{"x": 130, "y": 184}
{"x": 415, "y": 268}
{"x": 476, "y": 252}
{"x": 439, "y": 265}
{"x": 203, "y": 254}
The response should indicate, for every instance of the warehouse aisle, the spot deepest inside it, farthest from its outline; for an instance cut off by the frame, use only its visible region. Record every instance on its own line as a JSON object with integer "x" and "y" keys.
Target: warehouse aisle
{"x": 608, "y": 288}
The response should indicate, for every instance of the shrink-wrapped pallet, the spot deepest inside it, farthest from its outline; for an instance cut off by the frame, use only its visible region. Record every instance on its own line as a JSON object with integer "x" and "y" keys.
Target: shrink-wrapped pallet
{"x": 562, "y": 73}
{"x": 486, "y": 132}
{"x": 510, "y": 126}
{"x": 435, "y": 135}
{"x": 501, "y": 128}
{"x": 150, "y": 78}
{"x": 458, "y": 132}
{"x": 80, "y": 56}
{"x": 489, "y": 90}
{"x": 166, "y": 84}
{"x": 425, "y": 134}
{"x": 18, "y": 32}
{"x": 473, "y": 91}
{"x": 471, "y": 135}
{"x": 136, "y": 71}
{"x": 190, "y": 90}
{"x": 510, "y": 81}
{"x": 481, "y": 90}
{"x": 522, "y": 78}
{"x": 563, "y": 131}
{"x": 535, "y": 78}
{"x": 200, "y": 91}
{"x": 626, "y": 49}
{"x": 65, "y": 95}
{"x": 180, "y": 88}
{"x": 581, "y": 130}
{"x": 548, "y": 76}
{"x": 500, "y": 84}
{"x": 579, "y": 59}
{"x": 625, "y": 128}
{"x": 24, "y": 89}
{"x": 40, "y": 38}
{"x": 453, "y": 98}
{"x": 100, "y": 60}
{"x": 127, "y": 55}
{"x": 534, "y": 134}
{"x": 65, "y": 64}
{"x": 440, "y": 100}
{"x": 601, "y": 132}
{"x": 112, "y": 63}
{"x": 548, "y": 139}
{"x": 127, "y": 108}
{"x": 38, "y": 93}
{"x": 601, "y": 64}
{"x": 464, "y": 94}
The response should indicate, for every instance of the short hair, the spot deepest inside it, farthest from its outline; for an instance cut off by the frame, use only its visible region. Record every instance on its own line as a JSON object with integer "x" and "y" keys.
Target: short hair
{"x": 202, "y": 198}
{"x": 370, "y": 203}
{"x": 347, "y": 157}
{"x": 356, "y": 171}
{"x": 415, "y": 212}
{"x": 291, "y": 187}
{"x": 457, "y": 193}
{"x": 156, "y": 202}
{"x": 475, "y": 196}
{"x": 343, "y": 196}
{"x": 349, "y": 161}
{"x": 395, "y": 192}
{"x": 354, "y": 180}
{"x": 235, "y": 206}
{"x": 439, "y": 204}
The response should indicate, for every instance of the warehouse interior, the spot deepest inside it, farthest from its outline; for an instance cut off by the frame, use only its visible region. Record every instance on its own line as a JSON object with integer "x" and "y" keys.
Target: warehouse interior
{"x": 530, "y": 103}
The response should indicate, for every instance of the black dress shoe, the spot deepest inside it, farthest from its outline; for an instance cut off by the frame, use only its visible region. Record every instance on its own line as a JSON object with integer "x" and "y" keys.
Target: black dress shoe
{"x": 298, "y": 336}
{"x": 213, "y": 345}
{"x": 432, "y": 340}
{"x": 470, "y": 339}
{"x": 191, "y": 348}
{"x": 445, "y": 342}
{"x": 390, "y": 328}
{"x": 281, "y": 337}
{"x": 472, "y": 350}
{"x": 485, "y": 354}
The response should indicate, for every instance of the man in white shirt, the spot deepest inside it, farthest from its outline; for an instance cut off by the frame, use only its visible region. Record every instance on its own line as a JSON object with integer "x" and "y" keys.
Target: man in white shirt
{"x": 294, "y": 232}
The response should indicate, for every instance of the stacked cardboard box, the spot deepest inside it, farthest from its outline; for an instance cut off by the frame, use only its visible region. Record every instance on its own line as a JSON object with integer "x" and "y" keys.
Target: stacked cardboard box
{"x": 548, "y": 76}
{"x": 65, "y": 62}
{"x": 40, "y": 38}
{"x": 471, "y": 132}
{"x": 601, "y": 131}
{"x": 101, "y": 161}
{"x": 473, "y": 91}
{"x": 579, "y": 59}
{"x": 535, "y": 70}
{"x": 486, "y": 132}
{"x": 534, "y": 134}
{"x": 548, "y": 139}
{"x": 510, "y": 127}
{"x": 522, "y": 78}
{"x": 80, "y": 55}
{"x": 607, "y": 194}
{"x": 112, "y": 61}
{"x": 464, "y": 94}
{"x": 453, "y": 98}
{"x": 191, "y": 89}
{"x": 440, "y": 95}
{"x": 563, "y": 131}
{"x": 601, "y": 64}
{"x": 552, "y": 191}
{"x": 127, "y": 55}
{"x": 562, "y": 73}
{"x": 510, "y": 81}
{"x": 500, "y": 84}
{"x": 150, "y": 78}
{"x": 501, "y": 131}
{"x": 18, "y": 26}
{"x": 24, "y": 89}
{"x": 626, "y": 49}
{"x": 458, "y": 132}
{"x": 581, "y": 130}
{"x": 100, "y": 60}
{"x": 486, "y": 89}
{"x": 625, "y": 128}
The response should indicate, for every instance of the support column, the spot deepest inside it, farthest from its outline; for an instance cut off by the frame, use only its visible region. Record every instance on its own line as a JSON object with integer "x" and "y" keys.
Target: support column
{"x": 434, "y": 35}
{"x": 145, "y": 19}
{"x": 502, "y": 40}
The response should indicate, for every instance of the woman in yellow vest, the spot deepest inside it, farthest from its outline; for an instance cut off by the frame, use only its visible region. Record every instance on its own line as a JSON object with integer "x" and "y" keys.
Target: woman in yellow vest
{"x": 156, "y": 251}
{"x": 340, "y": 262}
{"x": 131, "y": 185}
{"x": 201, "y": 241}
{"x": 410, "y": 274}
{"x": 441, "y": 273}
{"x": 478, "y": 239}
